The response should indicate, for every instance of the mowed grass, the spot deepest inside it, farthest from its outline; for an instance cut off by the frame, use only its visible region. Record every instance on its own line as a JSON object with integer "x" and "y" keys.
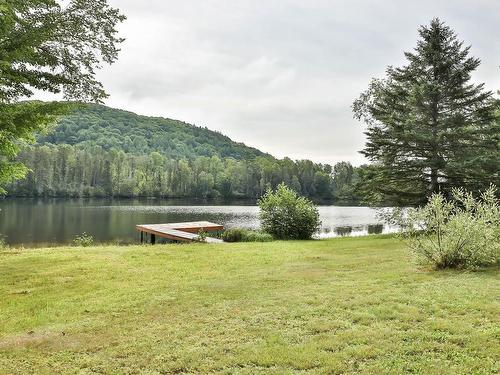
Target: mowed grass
{"x": 347, "y": 305}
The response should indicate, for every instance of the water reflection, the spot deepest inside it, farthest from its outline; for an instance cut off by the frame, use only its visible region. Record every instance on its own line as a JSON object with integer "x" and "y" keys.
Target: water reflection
{"x": 375, "y": 228}
{"x": 31, "y": 222}
{"x": 343, "y": 231}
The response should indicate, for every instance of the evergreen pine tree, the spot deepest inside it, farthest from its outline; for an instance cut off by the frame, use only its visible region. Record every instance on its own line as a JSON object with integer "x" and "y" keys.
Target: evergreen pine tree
{"x": 429, "y": 127}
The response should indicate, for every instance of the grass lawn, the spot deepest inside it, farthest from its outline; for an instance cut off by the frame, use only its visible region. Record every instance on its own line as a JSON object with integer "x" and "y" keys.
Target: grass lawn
{"x": 347, "y": 305}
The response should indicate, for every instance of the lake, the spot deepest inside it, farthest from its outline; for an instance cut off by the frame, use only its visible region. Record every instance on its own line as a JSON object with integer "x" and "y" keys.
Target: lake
{"x": 35, "y": 222}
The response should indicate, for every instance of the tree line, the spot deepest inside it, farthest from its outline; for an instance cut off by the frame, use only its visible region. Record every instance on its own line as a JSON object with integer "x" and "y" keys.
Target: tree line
{"x": 72, "y": 171}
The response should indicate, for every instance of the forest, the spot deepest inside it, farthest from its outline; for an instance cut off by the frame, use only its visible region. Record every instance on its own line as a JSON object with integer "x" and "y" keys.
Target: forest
{"x": 96, "y": 151}
{"x": 76, "y": 171}
{"x": 90, "y": 125}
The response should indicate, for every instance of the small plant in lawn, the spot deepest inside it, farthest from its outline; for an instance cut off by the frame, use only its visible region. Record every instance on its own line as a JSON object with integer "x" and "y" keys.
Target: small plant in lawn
{"x": 83, "y": 240}
{"x": 3, "y": 244}
{"x": 286, "y": 215}
{"x": 202, "y": 236}
{"x": 463, "y": 232}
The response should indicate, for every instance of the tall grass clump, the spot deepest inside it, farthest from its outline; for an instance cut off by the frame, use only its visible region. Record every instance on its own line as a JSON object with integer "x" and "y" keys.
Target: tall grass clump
{"x": 286, "y": 215}
{"x": 462, "y": 232}
{"x": 245, "y": 235}
{"x": 3, "y": 244}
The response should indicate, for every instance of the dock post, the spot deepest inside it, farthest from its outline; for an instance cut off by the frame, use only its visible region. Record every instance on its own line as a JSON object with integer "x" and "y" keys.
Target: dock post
{"x": 153, "y": 239}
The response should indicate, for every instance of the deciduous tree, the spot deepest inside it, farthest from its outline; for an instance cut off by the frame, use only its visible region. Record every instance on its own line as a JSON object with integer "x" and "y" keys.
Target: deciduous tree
{"x": 48, "y": 46}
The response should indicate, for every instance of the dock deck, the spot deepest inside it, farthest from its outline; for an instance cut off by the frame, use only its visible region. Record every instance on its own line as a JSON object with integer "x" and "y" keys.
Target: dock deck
{"x": 180, "y": 231}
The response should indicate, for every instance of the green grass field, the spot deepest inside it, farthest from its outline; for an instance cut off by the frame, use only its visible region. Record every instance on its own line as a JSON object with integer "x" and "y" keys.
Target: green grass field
{"x": 347, "y": 305}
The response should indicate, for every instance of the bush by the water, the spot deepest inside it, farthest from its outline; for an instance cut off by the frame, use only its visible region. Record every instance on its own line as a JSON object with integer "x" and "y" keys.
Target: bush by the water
{"x": 245, "y": 235}
{"x": 83, "y": 240}
{"x": 463, "y": 232}
{"x": 286, "y": 215}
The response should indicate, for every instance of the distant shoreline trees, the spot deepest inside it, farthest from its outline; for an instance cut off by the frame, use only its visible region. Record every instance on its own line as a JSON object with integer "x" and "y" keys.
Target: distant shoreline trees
{"x": 97, "y": 151}
{"x": 75, "y": 171}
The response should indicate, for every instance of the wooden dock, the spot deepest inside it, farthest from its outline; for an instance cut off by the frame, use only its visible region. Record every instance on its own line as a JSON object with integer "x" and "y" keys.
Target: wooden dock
{"x": 179, "y": 231}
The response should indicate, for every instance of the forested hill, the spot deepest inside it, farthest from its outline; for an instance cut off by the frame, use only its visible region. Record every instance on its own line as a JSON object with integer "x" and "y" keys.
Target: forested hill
{"x": 98, "y": 125}
{"x": 102, "y": 152}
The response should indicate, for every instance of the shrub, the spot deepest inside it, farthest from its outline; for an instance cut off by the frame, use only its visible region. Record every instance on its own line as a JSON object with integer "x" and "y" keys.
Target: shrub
{"x": 286, "y": 215}
{"x": 459, "y": 233}
{"x": 83, "y": 240}
{"x": 245, "y": 235}
{"x": 233, "y": 235}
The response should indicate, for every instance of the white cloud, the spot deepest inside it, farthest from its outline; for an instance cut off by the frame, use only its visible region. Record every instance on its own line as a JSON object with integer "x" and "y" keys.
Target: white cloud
{"x": 279, "y": 75}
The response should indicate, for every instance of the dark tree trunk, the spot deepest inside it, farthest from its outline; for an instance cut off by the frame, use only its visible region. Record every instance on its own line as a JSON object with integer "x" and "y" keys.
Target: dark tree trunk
{"x": 434, "y": 188}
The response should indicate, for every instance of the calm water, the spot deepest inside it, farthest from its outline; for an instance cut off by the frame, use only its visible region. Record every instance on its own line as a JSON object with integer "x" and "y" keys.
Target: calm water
{"x": 52, "y": 221}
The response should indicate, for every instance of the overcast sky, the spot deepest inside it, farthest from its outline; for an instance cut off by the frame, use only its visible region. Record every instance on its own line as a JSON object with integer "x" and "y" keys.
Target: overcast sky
{"x": 279, "y": 75}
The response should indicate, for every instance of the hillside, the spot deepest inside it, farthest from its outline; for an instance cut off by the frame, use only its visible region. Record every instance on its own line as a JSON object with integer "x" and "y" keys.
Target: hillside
{"x": 97, "y": 151}
{"x": 98, "y": 125}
